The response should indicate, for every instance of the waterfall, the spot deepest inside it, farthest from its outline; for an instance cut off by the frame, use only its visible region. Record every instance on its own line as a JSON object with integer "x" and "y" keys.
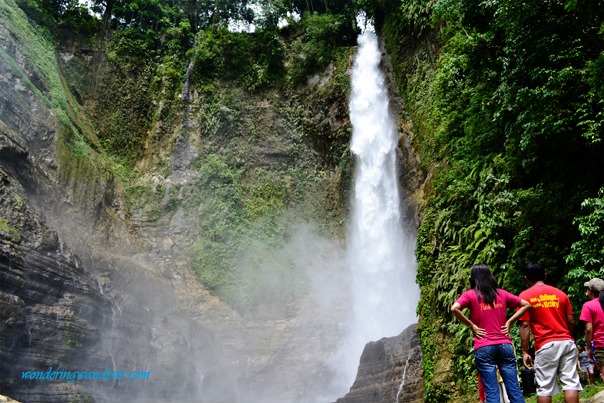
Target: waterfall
{"x": 380, "y": 252}
{"x": 402, "y": 385}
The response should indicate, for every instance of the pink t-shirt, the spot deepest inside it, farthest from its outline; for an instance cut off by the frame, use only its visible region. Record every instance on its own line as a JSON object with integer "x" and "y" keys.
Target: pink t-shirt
{"x": 592, "y": 312}
{"x": 489, "y": 318}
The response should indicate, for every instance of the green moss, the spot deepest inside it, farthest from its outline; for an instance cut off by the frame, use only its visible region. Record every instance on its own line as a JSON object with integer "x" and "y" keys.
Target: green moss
{"x": 9, "y": 232}
{"x": 81, "y": 149}
{"x": 72, "y": 335}
{"x": 140, "y": 196}
{"x": 82, "y": 397}
{"x": 37, "y": 48}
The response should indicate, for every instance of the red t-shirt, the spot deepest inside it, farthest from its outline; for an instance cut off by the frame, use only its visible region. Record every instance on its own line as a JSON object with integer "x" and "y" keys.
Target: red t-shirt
{"x": 548, "y": 316}
{"x": 489, "y": 318}
{"x": 592, "y": 312}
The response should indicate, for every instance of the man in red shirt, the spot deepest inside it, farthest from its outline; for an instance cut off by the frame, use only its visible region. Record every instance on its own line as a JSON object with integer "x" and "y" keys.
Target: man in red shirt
{"x": 551, "y": 322}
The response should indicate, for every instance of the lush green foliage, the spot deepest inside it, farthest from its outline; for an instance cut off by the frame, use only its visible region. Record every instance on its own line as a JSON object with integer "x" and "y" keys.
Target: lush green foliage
{"x": 61, "y": 15}
{"x": 254, "y": 60}
{"x": 506, "y": 101}
{"x": 314, "y": 50}
{"x": 586, "y": 257}
{"x": 245, "y": 212}
{"x": 123, "y": 112}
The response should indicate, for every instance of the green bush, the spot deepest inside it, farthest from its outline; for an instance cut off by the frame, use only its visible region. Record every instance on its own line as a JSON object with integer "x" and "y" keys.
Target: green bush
{"x": 317, "y": 47}
{"x": 586, "y": 257}
{"x": 254, "y": 60}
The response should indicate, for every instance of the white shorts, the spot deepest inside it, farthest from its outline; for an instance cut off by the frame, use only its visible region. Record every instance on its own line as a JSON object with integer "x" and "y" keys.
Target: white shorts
{"x": 557, "y": 359}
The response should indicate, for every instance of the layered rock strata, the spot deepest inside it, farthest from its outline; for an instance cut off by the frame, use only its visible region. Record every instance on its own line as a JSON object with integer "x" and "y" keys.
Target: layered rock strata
{"x": 389, "y": 371}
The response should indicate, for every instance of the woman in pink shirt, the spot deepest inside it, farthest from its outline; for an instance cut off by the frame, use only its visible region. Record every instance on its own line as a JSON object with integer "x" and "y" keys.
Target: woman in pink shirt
{"x": 492, "y": 343}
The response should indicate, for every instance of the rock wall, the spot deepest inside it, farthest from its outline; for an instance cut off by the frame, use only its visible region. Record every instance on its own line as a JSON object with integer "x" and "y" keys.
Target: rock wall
{"x": 389, "y": 371}
{"x": 66, "y": 303}
{"x": 52, "y": 311}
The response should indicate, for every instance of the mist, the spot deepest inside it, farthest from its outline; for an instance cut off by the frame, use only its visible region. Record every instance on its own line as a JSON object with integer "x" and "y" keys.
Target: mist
{"x": 322, "y": 300}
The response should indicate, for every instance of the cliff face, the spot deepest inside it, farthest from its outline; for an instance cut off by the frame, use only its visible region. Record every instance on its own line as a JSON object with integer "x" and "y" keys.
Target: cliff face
{"x": 67, "y": 304}
{"x": 58, "y": 309}
{"x": 49, "y": 305}
{"x": 89, "y": 284}
{"x": 389, "y": 371}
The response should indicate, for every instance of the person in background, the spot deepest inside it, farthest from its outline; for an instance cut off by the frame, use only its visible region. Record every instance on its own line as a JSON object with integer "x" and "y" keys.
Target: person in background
{"x": 585, "y": 364}
{"x": 503, "y": 396}
{"x": 593, "y": 316}
{"x": 551, "y": 322}
{"x": 482, "y": 397}
{"x": 492, "y": 343}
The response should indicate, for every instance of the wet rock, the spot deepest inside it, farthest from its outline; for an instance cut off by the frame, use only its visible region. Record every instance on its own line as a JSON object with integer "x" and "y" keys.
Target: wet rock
{"x": 598, "y": 398}
{"x": 389, "y": 371}
{"x": 7, "y": 399}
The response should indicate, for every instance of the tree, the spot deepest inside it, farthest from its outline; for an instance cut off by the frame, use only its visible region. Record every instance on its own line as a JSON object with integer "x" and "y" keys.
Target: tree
{"x": 586, "y": 257}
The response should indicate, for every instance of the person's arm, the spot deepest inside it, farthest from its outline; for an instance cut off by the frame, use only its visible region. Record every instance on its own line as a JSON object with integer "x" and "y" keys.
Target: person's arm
{"x": 570, "y": 321}
{"x": 589, "y": 334}
{"x": 524, "y": 306}
{"x": 525, "y": 340}
{"x": 477, "y": 331}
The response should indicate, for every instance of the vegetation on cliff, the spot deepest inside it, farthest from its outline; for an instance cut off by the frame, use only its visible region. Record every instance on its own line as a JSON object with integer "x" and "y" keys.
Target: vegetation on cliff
{"x": 506, "y": 100}
{"x": 245, "y": 131}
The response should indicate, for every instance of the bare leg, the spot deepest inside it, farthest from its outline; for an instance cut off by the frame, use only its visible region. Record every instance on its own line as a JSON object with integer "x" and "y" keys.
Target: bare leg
{"x": 544, "y": 399}
{"x": 590, "y": 377}
{"x": 571, "y": 396}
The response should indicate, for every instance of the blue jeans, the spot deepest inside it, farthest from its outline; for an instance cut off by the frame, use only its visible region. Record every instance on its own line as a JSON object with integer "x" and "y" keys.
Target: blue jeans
{"x": 488, "y": 359}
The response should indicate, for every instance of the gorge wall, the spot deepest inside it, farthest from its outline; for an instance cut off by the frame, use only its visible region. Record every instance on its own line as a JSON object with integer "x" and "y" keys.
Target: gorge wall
{"x": 389, "y": 371}
{"x": 91, "y": 281}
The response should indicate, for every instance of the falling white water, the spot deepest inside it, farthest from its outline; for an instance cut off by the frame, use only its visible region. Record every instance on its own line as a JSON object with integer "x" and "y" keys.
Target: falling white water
{"x": 380, "y": 252}
{"x": 402, "y": 385}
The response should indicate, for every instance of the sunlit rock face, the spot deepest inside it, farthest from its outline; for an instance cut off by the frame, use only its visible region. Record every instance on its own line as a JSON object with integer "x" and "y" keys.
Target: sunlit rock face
{"x": 389, "y": 371}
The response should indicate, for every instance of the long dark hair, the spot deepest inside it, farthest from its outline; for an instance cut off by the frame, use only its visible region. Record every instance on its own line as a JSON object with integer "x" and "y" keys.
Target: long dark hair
{"x": 602, "y": 299}
{"x": 484, "y": 283}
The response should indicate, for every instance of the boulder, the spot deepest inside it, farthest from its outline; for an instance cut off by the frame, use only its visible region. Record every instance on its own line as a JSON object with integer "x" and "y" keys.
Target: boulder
{"x": 389, "y": 371}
